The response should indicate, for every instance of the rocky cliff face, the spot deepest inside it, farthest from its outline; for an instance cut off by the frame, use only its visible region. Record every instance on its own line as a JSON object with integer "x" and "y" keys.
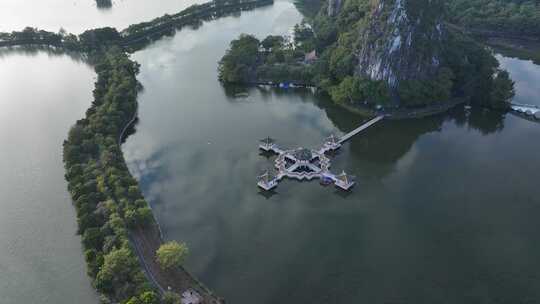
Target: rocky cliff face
{"x": 402, "y": 41}
{"x": 334, "y": 6}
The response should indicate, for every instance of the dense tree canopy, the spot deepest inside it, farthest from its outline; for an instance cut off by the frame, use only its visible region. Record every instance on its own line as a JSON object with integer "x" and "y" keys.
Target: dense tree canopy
{"x": 239, "y": 62}
{"x": 513, "y": 17}
{"x": 466, "y": 69}
{"x": 172, "y": 254}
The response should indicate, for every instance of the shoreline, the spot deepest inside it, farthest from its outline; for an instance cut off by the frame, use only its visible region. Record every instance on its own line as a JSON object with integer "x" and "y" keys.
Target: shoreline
{"x": 112, "y": 221}
{"x": 146, "y": 240}
{"x": 389, "y": 113}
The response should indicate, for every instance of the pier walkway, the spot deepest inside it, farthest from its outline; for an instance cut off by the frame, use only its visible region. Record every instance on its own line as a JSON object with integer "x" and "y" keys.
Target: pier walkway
{"x": 305, "y": 164}
{"x": 368, "y": 124}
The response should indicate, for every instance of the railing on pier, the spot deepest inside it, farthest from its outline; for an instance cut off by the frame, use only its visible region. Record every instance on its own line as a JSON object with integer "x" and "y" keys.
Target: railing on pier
{"x": 368, "y": 124}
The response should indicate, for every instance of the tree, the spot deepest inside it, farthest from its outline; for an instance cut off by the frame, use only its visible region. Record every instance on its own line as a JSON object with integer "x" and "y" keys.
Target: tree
{"x": 356, "y": 89}
{"x": 347, "y": 91}
{"x": 117, "y": 267}
{"x": 272, "y": 42}
{"x": 172, "y": 254}
{"x": 171, "y": 298}
{"x": 92, "y": 238}
{"x": 148, "y": 297}
{"x": 503, "y": 91}
{"x": 239, "y": 60}
{"x": 145, "y": 215}
{"x": 134, "y": 300}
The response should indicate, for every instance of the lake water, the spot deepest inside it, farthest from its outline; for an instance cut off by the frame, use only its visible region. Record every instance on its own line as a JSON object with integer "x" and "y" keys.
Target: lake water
{"x": 41, "y": 96}
{"x": 76, "y": 16}
{"x": 445, "y": 210}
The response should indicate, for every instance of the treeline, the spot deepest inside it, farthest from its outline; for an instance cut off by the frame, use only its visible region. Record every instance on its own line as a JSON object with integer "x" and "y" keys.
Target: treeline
{"x": 272, "y": 60}
{"x": 88, "y": 41}
{"x": 134, "y": 37}
{"x": 106, "y": 197}
{"x": 195, "y": 9}
{"x": 513, "y": 18}
{"x": 110, "y": 207}
{"x": 31, "y": 35}
{"x": 138, "y": 35}
{"x": 467, "y": 70}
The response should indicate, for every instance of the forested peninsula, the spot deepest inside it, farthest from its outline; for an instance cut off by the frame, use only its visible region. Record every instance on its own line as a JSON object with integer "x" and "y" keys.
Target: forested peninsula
{"x": 126, "y": 256}
{"x": 387, "y": 53}
{"x": 497, "y": 18}
{"x": 394, "y": 56}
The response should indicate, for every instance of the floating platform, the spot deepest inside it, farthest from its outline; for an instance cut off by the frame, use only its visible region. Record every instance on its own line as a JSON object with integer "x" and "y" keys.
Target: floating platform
{"x": 306, "y": 164}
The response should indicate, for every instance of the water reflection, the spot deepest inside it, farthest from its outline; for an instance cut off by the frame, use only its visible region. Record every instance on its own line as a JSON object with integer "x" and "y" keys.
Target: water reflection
{"x": 76, "y": 16}
{"x": 43, "y": 93}
{"x": 445, "y": 205}
{"x": 35, "y": 51}
{"x": 486, "y": 121}
{"x": 104, "y": 5}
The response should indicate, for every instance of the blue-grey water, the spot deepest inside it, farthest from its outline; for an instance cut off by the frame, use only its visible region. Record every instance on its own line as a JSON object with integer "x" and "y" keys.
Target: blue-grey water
{"x": 76, "y": 16}
{"x": 445, "y": 210}
{"x": 41, "y": 96}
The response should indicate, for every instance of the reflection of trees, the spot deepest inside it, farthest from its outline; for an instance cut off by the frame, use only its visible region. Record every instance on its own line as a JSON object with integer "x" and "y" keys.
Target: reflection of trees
{"x": 235, "y": 92}
{"x": 34, "y": 50}
{"x": 232, "y": 90}
{"x": 381, "y": 146}
{"x": 303, "y": 93}
{"x": 486, "y": 121}
{"x": 387, "y": 142}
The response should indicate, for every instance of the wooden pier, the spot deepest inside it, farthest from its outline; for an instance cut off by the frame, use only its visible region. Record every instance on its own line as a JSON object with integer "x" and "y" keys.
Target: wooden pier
{"x": 368, "y": 124}
{"x": 306, "y": 164}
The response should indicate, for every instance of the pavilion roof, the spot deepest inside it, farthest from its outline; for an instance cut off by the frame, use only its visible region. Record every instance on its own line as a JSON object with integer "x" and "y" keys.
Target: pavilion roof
{"x": 346, "y": 178}
{"x": 332, "y": 139}
{"x": 268, "y": 140}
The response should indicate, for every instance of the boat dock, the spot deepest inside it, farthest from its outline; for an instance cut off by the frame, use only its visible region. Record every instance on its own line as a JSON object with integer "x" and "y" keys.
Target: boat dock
{"x": 529, "y": 110}
{"x": 306, "y": 164}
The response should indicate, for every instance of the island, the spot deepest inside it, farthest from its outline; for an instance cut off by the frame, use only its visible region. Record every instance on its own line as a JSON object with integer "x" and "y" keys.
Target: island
{"x": 404, "y": 59}
{"x": 396, "y": 57}
{"x": 127, "y": 258}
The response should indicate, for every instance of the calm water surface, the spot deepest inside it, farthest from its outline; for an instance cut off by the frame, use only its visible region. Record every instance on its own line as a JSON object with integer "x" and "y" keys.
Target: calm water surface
{"x": 41, "y": 96}
{"x": 445, "y": 211}
{"x": 76, "y": 16}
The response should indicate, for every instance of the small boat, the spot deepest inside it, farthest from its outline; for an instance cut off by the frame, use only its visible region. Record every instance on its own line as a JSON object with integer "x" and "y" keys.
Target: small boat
{"x": 241, "y": 95}
{"x": 284, "y": 85}
{"x": 326, "y": 181}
